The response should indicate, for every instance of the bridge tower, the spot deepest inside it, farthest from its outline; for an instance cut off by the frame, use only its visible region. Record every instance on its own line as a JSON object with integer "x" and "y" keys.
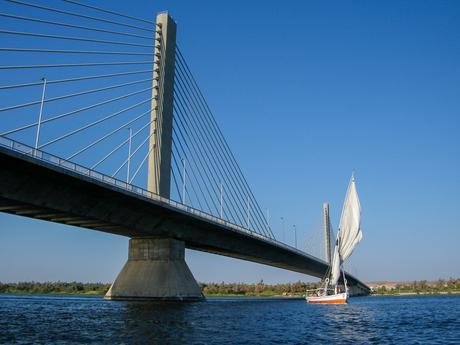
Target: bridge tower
{"x": 160, "y": 146}
{"x": 327, "y": 232}
{"x": 156, "y": 268}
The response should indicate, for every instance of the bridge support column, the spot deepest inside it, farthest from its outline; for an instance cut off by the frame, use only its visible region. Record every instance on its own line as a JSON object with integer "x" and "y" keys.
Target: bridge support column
{"x": 155, "y": 270}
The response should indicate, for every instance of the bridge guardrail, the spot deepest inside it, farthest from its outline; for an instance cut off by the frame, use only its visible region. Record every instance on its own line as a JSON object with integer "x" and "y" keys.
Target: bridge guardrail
{"x": 81, "y": 170}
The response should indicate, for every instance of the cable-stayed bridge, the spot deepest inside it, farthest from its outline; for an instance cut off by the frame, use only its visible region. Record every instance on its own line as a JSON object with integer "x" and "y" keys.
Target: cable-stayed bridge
{"x": 105, "y": 127}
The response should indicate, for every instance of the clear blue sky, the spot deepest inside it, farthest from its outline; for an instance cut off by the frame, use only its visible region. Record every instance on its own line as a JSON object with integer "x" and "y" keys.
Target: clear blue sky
{"x": 305, "y": 92}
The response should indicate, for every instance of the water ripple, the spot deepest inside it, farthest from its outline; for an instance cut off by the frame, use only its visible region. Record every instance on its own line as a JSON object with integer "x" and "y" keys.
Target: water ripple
{"x": 366, "y": 320}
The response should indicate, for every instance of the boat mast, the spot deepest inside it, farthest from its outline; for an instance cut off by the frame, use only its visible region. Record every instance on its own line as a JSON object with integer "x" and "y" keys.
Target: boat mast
{"x": 340, "y": 258}
{"x": 344, "y": 280}
{"x": 327, "y": 233}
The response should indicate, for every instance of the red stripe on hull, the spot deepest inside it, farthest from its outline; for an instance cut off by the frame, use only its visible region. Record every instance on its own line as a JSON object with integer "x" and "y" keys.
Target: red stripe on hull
{"x": 331, "y": 301}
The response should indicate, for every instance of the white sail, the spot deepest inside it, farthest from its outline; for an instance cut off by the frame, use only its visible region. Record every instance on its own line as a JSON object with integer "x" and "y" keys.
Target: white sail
{"x": 350, "y": 222}
{"x": 349, "y": 233}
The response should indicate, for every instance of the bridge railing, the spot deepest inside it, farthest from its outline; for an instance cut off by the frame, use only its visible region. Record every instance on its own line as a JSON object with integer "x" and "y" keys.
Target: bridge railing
{"x": 81, "y": 170}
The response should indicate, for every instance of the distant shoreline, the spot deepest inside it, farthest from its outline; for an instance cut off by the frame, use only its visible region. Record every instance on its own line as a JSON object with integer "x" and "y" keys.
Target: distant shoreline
{"x": 423, "y": 293}
{"x": 241, "y": 290}
{"x": 101, "y": 294}
{"x": 289, "y": 297}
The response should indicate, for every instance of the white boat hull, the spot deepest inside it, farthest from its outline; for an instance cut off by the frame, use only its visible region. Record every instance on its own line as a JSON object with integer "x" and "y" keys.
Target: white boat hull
{"x": 340, "y": 298}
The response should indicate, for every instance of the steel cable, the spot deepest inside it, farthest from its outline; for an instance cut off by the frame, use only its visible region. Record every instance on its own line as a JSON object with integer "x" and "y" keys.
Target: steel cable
{"x": 181, "y": 129}
{"x": 75, "y": 14}
{"x": 257, "y": 220}
{"x": 94, "y": 166}
{"x": 77, "y": 65}
{"x": 14, "y": 86}
{"x": 109, "y": 11}
{"x": 88, "y": 28}
{"x": 75, "y": 111}
{"x": 73, "y": 38}
{"x": 219, "y": 135}
{"x": 93, "y": 52}
{"x": 192, "y": 185}
{"x": 78, "y": 130}
{"x": 194, "y": 175}
{"x": 97, "y": 141}
{"x": 76, "y": 94}
{"x": 199, "y": 144}
{"x": 205, "y": 167}
{"x": 216, "y": 155}
{"x": 132, "y": 154}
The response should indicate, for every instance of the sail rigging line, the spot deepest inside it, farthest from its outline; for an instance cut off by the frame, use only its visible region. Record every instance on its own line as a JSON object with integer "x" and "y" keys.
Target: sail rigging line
{"x": 73, "y": 26}
{"x": 79, "y": 15}
{"x": 348, "y": 236}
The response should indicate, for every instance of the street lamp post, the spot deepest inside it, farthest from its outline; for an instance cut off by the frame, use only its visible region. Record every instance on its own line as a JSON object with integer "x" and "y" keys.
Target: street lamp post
{"x": 221, "y": 201}
{"x": 248, "y": 214}
{"x": 130, "y": 133}
{"x": 268, "y": 219}
{"x": 183, "y": 181}
{"x": 295, "y": 234}
{"x": 37, "y": 136}
{"x": 282, "y": 221}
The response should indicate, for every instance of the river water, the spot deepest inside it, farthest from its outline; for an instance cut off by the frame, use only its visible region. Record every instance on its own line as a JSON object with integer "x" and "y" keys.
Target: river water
{"x": 40, "y": 319}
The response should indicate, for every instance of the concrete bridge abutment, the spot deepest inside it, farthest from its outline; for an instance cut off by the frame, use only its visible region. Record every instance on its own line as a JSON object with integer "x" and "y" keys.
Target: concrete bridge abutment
{"x": 155, "y": 270}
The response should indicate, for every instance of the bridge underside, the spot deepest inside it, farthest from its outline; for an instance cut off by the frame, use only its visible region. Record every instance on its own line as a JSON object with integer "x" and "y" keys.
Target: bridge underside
{"x": 36, "y": 189}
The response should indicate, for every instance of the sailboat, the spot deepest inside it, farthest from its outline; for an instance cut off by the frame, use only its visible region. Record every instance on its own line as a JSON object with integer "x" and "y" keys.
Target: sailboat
{"x": 348, "y": 236}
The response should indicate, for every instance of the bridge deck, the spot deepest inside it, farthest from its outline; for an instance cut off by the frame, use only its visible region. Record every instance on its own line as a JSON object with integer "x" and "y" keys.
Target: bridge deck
{"x": 37, "y": 185}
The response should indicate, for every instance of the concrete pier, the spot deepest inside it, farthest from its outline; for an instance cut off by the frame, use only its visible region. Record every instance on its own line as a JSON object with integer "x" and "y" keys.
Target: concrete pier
{"x": 155, "y": 270}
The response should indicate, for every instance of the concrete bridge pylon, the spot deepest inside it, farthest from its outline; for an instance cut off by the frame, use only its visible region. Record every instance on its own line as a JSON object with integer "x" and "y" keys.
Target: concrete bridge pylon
{"x": 156, "y": 267}
{"x": 155, "y": 270}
